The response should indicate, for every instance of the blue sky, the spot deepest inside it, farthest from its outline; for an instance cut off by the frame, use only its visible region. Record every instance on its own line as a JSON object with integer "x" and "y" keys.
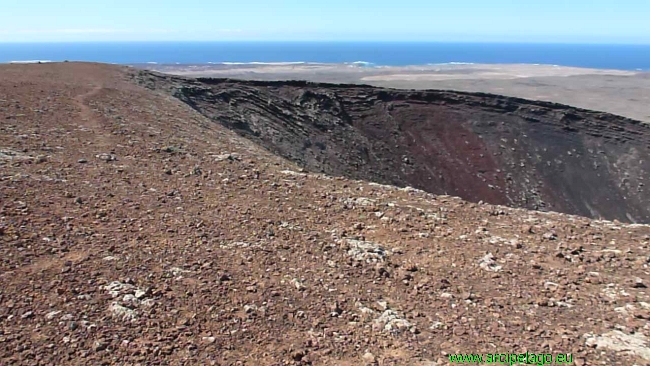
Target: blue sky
{"x": 567, "y": 21}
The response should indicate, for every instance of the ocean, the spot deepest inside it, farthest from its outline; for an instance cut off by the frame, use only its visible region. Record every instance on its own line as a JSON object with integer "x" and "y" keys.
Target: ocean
{"x": 622, "y": 57}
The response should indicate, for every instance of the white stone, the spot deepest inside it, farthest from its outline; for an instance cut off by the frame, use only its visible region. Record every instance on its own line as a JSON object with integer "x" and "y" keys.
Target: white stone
{"x": 635, "y": 344}
{"x": 52, "y": 314}
{"x": 552, "y": 286}
{"x": 291, "y": 172}
{"x": 391, "y": 321}
{"x": 115, "y": 288}
{"x": 366, "y": 251}
{"x": 122, "y": 313}
{"x": 489, "y": 263}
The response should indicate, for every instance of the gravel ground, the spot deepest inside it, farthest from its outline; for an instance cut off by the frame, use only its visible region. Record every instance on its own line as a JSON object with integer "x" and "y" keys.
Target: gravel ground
{"x": 133, "y": 231}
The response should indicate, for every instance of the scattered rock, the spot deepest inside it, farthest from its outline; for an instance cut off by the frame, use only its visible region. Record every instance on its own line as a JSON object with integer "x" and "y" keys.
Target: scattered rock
{"x": 298, "y": 355}
{"x": 369, "y": 358}
{"x": 99, "y": 346}
{"x": 106, "y": 157}
{"x": 215, "y": 262}
{"x": 117, "y": 288}
{"x": 392, "y": 322}
{"x": 551, "y": 286}
{"x": 489, "y": 263}
{"x": 293, "y": 173}
{"x": 550, "y": 236}
{"x": 632, "y": 344}
{"x": 638, "y": 283}
{"x": 336, "y": 309}
{"x": 298, "y": 285}
{"x": 365, "y": 251}
{"x": 122, "y": 313}
{"x": 226, "y": 156}
{"x": 52, "y": 314}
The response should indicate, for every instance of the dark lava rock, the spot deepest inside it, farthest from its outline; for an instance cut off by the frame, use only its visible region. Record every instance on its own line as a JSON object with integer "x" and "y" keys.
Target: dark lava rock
{"x": 480, "y": 147}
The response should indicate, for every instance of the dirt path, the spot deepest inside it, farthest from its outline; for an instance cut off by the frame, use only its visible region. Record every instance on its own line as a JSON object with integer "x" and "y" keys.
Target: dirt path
{"x": 88, "y": 116}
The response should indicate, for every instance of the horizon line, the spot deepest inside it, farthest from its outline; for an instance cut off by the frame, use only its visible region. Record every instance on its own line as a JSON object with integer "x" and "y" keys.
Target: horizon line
{"x": 330, "y": 41}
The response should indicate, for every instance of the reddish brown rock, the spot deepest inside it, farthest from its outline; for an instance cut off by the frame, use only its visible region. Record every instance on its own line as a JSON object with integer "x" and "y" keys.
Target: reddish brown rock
{"x": 181, "y": 268}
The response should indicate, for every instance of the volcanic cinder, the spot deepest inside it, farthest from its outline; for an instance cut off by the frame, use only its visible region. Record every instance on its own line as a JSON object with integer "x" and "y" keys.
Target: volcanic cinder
{"x": 136, "y": 228}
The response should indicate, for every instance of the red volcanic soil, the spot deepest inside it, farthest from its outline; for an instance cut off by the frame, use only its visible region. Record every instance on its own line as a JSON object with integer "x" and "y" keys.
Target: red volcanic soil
{"x": 135, "y": 230}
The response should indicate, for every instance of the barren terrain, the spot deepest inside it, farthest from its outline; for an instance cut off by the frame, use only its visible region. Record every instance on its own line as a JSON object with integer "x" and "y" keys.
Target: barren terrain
{"x": 626, "y": 93}
{"x": 479, "y": 147}
{"x": 135, "y": 230}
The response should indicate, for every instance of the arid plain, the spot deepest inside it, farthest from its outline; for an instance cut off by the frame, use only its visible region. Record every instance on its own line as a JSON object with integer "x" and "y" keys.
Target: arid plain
{"x": 626, "y": 93}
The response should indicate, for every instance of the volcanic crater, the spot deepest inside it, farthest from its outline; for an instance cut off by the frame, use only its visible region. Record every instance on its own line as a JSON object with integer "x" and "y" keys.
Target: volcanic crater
{"x": 480, "y": 147}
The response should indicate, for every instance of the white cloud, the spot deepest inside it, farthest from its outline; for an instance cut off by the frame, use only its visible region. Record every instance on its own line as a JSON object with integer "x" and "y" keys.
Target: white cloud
{"x": 102, "y": 31}
{"x": 63, "y": 31}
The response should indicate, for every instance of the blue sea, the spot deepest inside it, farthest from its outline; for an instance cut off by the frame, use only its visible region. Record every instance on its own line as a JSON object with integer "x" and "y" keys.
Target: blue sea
{"x": 623, "y": 57}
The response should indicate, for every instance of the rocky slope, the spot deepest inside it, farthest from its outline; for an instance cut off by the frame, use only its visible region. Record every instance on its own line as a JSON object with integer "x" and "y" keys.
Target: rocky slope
{"x": 480, "y": 147}
{"x": 136, "y": 231}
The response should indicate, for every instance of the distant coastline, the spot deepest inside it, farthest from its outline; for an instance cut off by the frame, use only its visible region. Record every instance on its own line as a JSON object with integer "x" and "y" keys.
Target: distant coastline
{"x": 366, "y": 54}
{"x": 622, "y": 92}
{"x": 30, "y": 62}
